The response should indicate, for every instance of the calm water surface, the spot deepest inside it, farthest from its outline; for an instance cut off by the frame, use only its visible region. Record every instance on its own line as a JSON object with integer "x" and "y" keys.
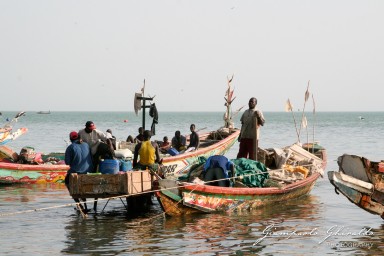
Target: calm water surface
{"x": 41, "y": 220}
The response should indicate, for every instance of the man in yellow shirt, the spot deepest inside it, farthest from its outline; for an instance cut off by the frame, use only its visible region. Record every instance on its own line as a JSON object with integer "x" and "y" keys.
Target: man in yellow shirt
{"x": 146, "y": 154}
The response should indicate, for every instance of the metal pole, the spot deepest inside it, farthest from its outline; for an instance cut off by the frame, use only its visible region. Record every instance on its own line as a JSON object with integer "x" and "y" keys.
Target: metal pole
{"x": 143, "y": 107}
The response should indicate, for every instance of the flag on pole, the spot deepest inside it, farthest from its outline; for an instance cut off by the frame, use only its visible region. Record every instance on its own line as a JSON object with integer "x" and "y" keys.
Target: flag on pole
{"x": 142, "y": 89}
{"x": 314, "y": 105}
{"x": 288, "y": 106}
{"x": 306, "y": 93}
{"x": 304, "y": 122}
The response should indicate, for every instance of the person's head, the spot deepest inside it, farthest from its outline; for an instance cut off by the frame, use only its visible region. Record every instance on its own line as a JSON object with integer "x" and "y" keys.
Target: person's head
{"x": 192, "y": 127}
{"x": 177, "y": 134}
{"x": 147, "y": 134}
{"x": 73, "y": 136}
{"x": 90, "y": 126}
{"x": 130, "y": 139}
{"x": 141, "y": 130}
{"x": 109, "y": 134}
{"x": 165, "y": 139}
{"x": 252, "y": 103}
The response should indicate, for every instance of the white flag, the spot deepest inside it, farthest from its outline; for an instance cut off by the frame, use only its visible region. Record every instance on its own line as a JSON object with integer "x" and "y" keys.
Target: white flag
{"x": 288, "y": 106}
{"x": 304, "y": 122}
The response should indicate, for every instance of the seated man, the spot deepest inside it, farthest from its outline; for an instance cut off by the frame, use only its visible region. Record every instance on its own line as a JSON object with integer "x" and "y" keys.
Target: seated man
{"x": 179, "y": 141}
{"x": 219, "y": 169}
{"x": 194, "y": 140}
{"x": 78, "y": 157}
{"x": 148, "y": 152}
{"x": 165, "y": 145}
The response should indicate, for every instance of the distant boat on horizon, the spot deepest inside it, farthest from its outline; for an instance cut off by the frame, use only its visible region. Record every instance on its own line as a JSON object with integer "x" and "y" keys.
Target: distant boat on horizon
{"x": 361, "y": 118}
{"x": 44, "y": 112}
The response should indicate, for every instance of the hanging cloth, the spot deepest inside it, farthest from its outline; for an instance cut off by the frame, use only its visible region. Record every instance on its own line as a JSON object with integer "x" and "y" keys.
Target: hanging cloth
{"x": 137, "y": 103}
{"x": 153, "y": 113}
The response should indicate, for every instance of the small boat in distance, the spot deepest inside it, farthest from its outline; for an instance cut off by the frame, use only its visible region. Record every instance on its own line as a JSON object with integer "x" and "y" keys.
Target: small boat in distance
{"x": 44, "y": 112}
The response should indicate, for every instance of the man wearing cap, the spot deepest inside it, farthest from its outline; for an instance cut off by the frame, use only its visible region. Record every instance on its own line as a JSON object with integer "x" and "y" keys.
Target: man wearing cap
{"x": 93, "y": 137}
{"x": 78, "y": 157}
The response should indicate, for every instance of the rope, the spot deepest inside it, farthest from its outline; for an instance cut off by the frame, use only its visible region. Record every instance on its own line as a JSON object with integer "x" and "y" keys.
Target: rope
{"x": 126, "y": 195}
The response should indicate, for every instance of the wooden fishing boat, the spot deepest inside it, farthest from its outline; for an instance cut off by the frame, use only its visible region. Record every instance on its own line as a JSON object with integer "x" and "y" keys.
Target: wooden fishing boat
{"x": 180, "y": 197}
{"x": 361, "y": 181}
{"x": 51, "y": 169}
{"x": 216, "y": 142}
{"x": 211, "y": 143}
{"x": 8, "y": 136}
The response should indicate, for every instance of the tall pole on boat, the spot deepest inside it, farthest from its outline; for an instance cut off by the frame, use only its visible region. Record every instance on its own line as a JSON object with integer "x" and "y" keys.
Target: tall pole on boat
{"x": 314, "y": 123}
{"x": 144, "y": 106}
{"x": 228, "y": 101}
{"x": 255, "y": 145}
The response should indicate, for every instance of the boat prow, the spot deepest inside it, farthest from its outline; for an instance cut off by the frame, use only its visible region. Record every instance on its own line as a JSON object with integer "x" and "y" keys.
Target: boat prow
{"x": 361, "y": 182}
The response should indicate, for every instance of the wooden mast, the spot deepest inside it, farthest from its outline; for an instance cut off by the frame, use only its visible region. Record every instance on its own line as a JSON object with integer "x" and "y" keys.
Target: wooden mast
{"x": 255, "y": 145}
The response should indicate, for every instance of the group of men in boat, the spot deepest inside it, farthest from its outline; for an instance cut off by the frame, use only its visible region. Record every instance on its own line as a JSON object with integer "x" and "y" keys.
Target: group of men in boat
{"x": 89, "y": 145}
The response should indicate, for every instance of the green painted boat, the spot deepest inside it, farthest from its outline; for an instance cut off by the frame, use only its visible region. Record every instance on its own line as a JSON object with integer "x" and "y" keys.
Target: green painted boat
{"x": 51, "y": 169}
{"x": 178, "y": 198}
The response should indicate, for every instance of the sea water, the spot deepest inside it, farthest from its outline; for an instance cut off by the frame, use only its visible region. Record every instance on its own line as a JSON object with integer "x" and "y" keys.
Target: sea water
{"x": 41, "y": 220}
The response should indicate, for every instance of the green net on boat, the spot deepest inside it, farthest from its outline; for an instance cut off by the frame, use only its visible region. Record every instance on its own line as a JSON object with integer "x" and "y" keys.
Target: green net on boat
{"x": 251, "y": 173}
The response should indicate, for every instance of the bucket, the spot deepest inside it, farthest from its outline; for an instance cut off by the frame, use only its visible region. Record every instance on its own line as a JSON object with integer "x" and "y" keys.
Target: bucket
{"x": 125, "y": 165}
{"x": 173, "y": 152}
{"x": 109, "y": 166}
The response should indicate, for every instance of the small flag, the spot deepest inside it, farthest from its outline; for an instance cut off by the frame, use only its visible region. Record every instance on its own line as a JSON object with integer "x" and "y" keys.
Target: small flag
{"x": 306, "y": 93}
{"x": 304, "y": 122}
{"x": 288, "y": 106}
{"x": 142, "y": 89}
{"x": 314, "y": 105}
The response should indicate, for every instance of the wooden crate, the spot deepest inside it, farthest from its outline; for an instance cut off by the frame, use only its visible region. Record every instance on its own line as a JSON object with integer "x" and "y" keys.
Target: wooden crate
{"x": 109, "y": 185}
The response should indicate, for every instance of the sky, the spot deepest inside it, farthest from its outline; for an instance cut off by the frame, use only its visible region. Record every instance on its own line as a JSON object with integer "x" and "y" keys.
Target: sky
{"x": 94, "y": 55}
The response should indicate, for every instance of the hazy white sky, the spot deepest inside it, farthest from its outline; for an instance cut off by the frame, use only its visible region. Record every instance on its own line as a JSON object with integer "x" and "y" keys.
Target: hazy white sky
{"x": 94, "y": 55}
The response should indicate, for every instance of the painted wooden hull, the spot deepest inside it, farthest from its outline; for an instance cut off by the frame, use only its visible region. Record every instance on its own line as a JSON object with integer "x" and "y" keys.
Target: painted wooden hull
{"x": 9, "y": 136}
{"x": 226, "y": 199}
{"x": 14, "y": 173}
{"x": 209, "y": 199}
{"x": 187, "y": 198}
{"x": 174, "y": 166}
{"x": 361, "y": 182}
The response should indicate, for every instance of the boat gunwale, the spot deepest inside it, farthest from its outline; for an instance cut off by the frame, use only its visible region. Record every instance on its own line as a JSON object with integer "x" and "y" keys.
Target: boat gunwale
{"x": 204, "y": 150}
{"x": 33, "y": 167}
{"x": 207, "y": 189}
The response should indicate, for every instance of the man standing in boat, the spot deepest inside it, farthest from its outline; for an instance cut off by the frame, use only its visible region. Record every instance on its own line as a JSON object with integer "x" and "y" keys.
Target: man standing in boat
{"x": 249, "y": 134}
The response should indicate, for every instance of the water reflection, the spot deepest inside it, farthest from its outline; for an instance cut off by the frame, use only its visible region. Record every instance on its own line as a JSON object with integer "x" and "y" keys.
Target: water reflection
{"x": 368, "y": 243}
{"x": 237, "y": 232}
{"x": 113, "y": 231}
